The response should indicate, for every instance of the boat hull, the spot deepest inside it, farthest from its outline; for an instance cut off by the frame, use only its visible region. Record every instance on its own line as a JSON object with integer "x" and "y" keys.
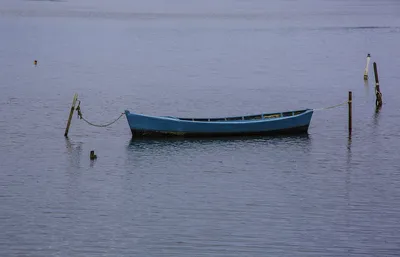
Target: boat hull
{"x": 153, "y": 133}
{"x": 153, "y": 126}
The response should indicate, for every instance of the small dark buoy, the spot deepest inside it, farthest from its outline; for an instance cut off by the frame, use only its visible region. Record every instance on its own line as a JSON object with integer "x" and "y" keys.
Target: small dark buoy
{"x": 92, "y": 155}
{"x": 35, "y": 62}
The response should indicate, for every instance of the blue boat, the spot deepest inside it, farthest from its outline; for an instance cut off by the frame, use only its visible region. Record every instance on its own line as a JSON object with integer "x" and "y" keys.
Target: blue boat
{"x": 291, "y": 122}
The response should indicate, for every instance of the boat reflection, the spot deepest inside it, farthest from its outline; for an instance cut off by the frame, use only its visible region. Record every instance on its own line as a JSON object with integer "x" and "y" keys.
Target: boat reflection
{"x": 147, "y": 146}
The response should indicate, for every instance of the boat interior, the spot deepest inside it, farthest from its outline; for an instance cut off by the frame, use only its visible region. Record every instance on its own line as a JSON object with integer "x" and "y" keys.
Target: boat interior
{"x": 250, "y": 117}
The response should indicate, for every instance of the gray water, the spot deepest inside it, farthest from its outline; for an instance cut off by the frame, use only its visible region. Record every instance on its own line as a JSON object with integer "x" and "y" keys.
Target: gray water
{"x": 323, "y": 194}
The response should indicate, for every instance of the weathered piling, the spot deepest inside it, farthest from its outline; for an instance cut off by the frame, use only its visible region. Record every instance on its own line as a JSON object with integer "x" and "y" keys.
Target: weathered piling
{"x": 378, "y": 102}
{"x": 367, "y": 67}
{"x": 350, "y": 112}
{"x": 70, "y": 115}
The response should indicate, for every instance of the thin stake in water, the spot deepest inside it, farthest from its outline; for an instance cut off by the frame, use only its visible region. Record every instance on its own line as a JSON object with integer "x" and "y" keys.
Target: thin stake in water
{"x": 350, "y": 112}
{"x": 70, "y": 114}
{"x": 378, "y": 93}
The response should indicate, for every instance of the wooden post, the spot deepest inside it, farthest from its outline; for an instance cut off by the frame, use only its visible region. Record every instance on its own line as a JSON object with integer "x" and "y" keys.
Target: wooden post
{"x": 378, "y": 93}
{"x": 70, "y": 114}
{"x": 366, "y": 67}
{"x": 350, "y": 112}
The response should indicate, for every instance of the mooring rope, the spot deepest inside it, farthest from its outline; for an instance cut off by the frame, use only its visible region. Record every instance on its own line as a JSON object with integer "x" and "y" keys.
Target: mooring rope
{"x": 331, "y": 107}
{"x": 103, "y": 125}
{"x": 78, "y": 109}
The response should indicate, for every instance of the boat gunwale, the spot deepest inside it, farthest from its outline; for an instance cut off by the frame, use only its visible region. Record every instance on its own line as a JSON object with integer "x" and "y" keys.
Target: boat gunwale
{"x": 232, "y": 119}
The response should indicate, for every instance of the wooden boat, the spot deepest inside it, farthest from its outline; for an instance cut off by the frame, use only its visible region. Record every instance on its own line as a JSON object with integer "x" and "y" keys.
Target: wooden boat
{"x": 291, "y": 122}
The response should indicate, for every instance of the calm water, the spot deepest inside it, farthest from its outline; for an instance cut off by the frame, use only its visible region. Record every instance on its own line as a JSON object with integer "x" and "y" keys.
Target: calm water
{"x": 317, "y": 195}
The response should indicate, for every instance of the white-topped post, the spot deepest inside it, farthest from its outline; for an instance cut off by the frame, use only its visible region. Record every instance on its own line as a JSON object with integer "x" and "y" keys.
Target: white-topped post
{"x": 366, "y": 67}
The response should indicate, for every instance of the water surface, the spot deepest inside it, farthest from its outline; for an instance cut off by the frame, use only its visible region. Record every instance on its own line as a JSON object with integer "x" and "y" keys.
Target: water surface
{"x": 323, "y": 194}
